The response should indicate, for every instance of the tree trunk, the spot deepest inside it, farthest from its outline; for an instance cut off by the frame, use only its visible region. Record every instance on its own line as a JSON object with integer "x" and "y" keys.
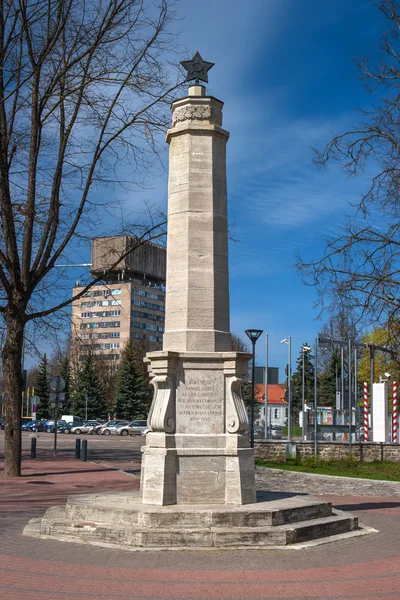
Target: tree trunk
{"x": 12, "y": 387}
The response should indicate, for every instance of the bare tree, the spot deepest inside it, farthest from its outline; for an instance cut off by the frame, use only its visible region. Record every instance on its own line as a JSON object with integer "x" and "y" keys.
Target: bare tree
{"x": 84, "y": 90}
{"x": 239, "y": 344}
{"x": 360, "y": 270}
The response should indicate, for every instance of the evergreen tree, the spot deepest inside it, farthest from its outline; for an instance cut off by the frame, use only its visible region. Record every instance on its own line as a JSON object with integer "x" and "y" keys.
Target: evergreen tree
{"x": 328, "y": 380}
{"x": 132, "y": 387}
{"x": 89, "y": 386}
{"x": 42, "y": 391}
{"x": 65, "y": 373}
{"x": 297, "y": 382}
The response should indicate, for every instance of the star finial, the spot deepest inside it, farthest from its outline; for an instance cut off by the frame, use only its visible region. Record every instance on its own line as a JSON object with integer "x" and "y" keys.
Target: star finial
{"x": 197, "y": 68}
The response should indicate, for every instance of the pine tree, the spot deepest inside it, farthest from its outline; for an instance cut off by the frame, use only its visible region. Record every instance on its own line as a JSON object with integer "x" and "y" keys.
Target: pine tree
{"x": 328, "y": 381}
{"x": 42, "y": 391}
{"x": 65, "y": 373}
{"x": 297, "y": 382}
{"x": 132, "y": 387}
{"x": 89, "y": 386}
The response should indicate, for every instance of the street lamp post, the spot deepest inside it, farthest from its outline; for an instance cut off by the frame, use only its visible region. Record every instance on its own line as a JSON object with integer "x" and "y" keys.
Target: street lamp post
{"x": 316, "y": 399}
{"x": 253, "y": 335}
{"x": 266, "y": 387}
{"x": 288, "y": 341}
{"x": 304, "y": 349}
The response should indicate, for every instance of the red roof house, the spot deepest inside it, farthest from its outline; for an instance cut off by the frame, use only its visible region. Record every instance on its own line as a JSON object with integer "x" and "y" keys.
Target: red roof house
{"x": 276, "y": 394}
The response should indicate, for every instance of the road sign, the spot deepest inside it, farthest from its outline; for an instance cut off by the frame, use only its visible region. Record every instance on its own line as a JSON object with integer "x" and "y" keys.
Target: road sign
{"x": 57, "y": 384}
{"x": 35, "y": 400}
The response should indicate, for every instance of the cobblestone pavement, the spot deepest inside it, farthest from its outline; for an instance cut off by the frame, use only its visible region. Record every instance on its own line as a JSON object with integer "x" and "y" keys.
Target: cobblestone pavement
{"x": 360, "y": 568}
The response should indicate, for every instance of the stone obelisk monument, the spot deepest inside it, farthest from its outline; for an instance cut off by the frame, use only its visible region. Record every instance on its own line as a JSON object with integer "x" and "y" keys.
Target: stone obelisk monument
{"x": 197, "y": 482}
{"x": 198, "y": 450}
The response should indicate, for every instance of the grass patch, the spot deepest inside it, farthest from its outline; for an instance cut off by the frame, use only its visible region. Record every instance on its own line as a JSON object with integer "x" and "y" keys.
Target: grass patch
{"x": 344, "y": 468}
{"x": 296, "y": 431}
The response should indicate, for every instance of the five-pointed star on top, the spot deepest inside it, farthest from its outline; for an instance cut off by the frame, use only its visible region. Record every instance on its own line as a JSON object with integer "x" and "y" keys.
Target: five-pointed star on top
{"x": 197, "y": 68}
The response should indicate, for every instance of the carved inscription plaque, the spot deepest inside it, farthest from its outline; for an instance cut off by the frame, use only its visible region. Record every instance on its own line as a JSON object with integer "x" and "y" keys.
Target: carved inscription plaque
{"x": 200, "y": 402}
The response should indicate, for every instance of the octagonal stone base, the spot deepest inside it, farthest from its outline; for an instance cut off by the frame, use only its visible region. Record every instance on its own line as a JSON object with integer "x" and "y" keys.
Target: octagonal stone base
{"x": 122, "y": 520}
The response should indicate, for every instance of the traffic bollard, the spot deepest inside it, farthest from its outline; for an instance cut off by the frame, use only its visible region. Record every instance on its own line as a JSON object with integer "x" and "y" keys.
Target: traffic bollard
{"x": 84, "y": 451}
{"x": 33, "y": 447}
{"x": 77, "y": 448}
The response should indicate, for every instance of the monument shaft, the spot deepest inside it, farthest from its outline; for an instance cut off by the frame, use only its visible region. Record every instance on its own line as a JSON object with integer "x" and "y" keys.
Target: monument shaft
{"x": 197, "y": 298}
{"x": 198, "y": 450}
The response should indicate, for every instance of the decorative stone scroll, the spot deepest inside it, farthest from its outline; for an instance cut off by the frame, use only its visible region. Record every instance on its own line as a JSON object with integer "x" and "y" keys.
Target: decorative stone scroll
{"x": 162, "y": 412}
{"x": 197, "y": 113}
{"x": 236, "y": 416}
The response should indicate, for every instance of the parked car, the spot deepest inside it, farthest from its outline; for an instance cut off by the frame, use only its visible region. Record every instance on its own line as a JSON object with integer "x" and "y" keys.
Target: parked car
{"x": 276, "y": 432}
{"x": 112, "y": 428}
{"x": 259, "y": 432}
{"x": 26, "y": 426}
{"x": 84, "y": 427}
{"x": 96, "y": 430}
{"x": 29, "y": 425}
{"x": 133, "y": 428}
{"x": 72, "y": 419}
{"x": 65, "y": 427}
{"x": 145, "y": 431}
{"x": 40, "y": 425}
{"x": 1, "y": 423}
{"x": 50, "y": 425}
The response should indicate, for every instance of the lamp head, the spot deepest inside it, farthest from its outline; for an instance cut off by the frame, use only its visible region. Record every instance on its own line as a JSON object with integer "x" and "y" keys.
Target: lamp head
{"x": 306, "y": 348}
{"x": 285, "y": 341}
{"x": 253, "y": 334}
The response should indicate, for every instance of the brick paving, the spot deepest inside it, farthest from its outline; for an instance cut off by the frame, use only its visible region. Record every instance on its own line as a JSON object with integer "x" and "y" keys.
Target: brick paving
{"x": 364, "y": 568}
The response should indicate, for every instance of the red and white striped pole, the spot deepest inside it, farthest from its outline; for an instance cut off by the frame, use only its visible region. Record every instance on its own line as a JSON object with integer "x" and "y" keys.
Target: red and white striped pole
{"x": 365, "y": 412}
{"x": 394, "y": 437}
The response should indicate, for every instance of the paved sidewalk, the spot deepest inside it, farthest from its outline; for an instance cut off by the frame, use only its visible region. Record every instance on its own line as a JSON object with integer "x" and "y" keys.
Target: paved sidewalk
{"x": 364, "y": 568}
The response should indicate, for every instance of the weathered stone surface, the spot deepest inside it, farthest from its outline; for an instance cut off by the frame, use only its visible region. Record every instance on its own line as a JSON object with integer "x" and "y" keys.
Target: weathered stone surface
{"x": 199, "y": 433}
{"x": 197, "y": 298}
{"x": 367, "y": 451}
{"x": 123, "y": 520}
{"x": 309, "y": 483}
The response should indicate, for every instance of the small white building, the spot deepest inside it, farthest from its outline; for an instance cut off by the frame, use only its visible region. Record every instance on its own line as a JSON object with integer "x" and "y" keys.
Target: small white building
{"x": 277, "y": 406}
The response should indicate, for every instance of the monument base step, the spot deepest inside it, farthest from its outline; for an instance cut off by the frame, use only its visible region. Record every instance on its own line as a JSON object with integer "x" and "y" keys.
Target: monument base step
{"x": 122, "y": 521}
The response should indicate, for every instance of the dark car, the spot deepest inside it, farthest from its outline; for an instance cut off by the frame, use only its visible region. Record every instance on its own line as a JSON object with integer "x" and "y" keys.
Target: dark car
{"x": 64, "y": 427}
{"x": 50, "y": 425}
{"x": 40, "y": 426}
{"x": 1, "y": 423}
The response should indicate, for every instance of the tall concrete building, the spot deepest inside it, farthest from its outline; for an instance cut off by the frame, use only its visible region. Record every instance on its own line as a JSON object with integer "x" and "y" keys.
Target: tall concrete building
{"x": 128, "y": 302}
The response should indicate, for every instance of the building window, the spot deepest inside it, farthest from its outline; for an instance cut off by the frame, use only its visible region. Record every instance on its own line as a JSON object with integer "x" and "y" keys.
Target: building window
{"x": 276, "y": 413}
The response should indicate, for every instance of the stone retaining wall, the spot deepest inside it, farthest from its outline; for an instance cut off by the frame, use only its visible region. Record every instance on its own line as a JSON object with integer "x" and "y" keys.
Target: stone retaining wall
{"x": 275, "y": 451}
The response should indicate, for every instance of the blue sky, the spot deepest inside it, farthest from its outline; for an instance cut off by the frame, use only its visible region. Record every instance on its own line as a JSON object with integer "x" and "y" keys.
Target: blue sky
{"x": 285, "y": 70}
{"x": 286, "y": 73}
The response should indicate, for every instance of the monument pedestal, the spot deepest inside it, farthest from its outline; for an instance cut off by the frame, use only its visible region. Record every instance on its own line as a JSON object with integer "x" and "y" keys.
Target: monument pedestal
{"x": 197, "y": 392}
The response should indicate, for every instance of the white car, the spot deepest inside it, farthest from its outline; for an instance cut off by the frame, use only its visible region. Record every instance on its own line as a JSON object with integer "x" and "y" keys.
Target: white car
{"x": 133, "y": 428}
{"x": 85, "y": 428}
{"x": 112, "y": 427}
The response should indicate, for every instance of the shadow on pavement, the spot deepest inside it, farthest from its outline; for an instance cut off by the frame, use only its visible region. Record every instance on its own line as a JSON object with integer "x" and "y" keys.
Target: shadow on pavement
{"x": 367, "y": 506}
{"x": 267, "y": 496}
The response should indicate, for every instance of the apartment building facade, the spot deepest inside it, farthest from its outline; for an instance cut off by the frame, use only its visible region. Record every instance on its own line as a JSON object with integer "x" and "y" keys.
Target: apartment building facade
{"x": 127, "y": 303}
